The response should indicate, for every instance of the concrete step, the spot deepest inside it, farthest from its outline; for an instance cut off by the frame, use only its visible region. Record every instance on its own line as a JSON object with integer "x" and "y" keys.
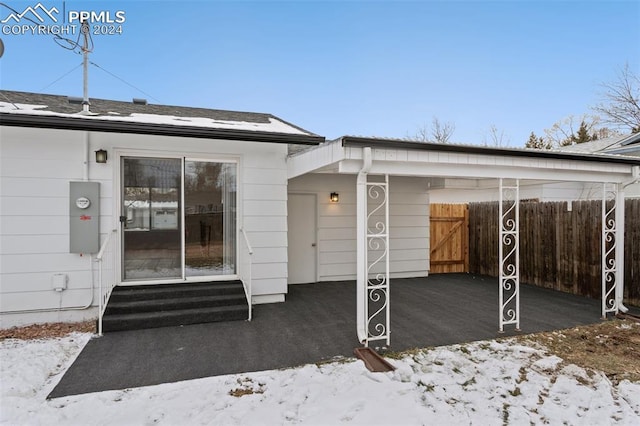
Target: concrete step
{"x": 166, "y": 304}
{"x": 173, "y": 291}
{"x": 173, "y": 318}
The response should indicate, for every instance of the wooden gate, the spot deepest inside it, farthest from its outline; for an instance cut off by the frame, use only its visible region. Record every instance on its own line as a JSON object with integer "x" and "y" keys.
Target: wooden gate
{"x": 449, "y": 237}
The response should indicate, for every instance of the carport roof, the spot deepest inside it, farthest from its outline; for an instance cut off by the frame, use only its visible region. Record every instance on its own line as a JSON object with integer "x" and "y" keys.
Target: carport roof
{"x": 408, "y": 158}
{"x": 486, "y": 150}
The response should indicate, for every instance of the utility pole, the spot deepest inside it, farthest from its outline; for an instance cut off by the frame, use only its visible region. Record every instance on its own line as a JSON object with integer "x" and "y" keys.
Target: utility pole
{"x": 85, "y": 67}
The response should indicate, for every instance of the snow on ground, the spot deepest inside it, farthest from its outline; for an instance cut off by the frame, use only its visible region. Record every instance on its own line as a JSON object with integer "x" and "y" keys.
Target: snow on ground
{"x": 480, "y": 383}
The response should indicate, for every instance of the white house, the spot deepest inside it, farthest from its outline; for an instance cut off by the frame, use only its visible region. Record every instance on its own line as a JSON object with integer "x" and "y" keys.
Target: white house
{"x": 183, "y": 180}
{"x": 190, "y": 195}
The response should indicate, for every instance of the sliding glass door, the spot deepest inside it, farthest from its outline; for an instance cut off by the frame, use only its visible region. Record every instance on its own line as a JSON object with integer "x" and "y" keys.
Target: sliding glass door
{"x": 151, "y": 218}
{"x": 210, "y": 218}
{"x": 179, "y": 218}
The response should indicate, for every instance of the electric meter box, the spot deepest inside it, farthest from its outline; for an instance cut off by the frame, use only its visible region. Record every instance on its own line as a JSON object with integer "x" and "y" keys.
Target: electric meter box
{"x": 84, "y": 217}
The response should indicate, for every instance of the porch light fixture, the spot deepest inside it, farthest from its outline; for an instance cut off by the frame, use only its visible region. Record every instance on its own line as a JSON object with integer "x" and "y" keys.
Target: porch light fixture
{"x": 101, "y": 156}
{"x": 334, "y": 197}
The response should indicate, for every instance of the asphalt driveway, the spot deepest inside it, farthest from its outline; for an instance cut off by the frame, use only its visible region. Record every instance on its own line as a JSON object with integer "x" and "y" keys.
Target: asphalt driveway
{"x": 316, "y": 323}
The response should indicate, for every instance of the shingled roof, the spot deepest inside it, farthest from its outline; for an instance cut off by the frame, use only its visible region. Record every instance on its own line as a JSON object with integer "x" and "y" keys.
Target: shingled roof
{"x": 619, "y": 144}
{"x": 55, "y": 111}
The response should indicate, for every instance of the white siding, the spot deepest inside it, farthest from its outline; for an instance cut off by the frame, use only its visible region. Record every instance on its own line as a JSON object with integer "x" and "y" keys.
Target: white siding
{"x": 457, "y": 196}
{"x": 566, "y": 191}
{"x": 36, "y": 166}
{"x": 409, "y": 224}
{"x": 582, "y": 191}
{"x": 558, "y": 191}
{"x": 633, "y": 191}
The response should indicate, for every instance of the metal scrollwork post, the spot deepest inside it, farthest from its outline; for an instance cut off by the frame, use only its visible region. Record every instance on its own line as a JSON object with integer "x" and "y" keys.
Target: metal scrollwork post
{"x": 609, "y": 249}
{"x": 377, "y": 246}
{"x": 509, "y": 253}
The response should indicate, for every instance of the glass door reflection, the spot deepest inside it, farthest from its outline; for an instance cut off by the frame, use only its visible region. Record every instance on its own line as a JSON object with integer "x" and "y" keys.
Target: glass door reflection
{"x": 151, "y": 218}
{"x": 210, "y": 218}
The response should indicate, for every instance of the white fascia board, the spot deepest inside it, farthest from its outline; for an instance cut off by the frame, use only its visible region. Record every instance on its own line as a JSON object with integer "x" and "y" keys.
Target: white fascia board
{"x": 465, "y": 165}
{"x": 487, "y": 172}
{"x": 631, "y": 151}
{"x": 314, "y": 159}
{"x": 401, "y": 162}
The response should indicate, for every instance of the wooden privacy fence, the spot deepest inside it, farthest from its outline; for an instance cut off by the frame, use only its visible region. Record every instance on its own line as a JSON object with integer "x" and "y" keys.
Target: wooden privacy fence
{"x": 449, "y": 238}
{"x": 560, "y": 245}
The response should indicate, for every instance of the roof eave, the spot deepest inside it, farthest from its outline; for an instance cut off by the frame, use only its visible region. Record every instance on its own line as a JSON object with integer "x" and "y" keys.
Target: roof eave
{"x": 468, "y": 149}
{"x": 632, "y": 139}
{"x": 114, "y": 126}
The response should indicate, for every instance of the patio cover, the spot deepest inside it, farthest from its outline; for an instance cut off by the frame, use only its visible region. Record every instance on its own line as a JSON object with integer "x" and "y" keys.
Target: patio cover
{"x": 475, "y": 167}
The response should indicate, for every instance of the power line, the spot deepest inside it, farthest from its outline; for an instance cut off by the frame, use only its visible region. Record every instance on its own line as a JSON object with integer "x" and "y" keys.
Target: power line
{"x": 124, "y": 81}
{"x": 60, "y": 78}
{"x": 5, "y": 96}
{"x": 76, "y": 47}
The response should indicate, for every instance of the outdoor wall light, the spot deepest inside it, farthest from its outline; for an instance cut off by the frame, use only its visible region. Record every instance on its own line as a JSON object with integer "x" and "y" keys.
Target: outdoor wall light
{"x": 101, "y": 156}
{"x": 334, "y": 197}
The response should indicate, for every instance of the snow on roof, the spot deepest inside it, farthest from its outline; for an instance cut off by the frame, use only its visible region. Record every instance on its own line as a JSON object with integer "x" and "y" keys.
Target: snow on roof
{"x": 36, "y": 104}
{"x": 273, "y": 125}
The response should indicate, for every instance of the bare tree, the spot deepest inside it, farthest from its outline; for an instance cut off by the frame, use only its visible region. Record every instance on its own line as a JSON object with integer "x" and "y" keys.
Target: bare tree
{"x": 620, "y": 104}
{"x": 605, "y": 132}
{"x": 563, "y": 132}
{"x": 439, "y": 132}
{"x": 423, "y": 134}
{"x": 495, "y": 137}
{"x": 442, "y": 132}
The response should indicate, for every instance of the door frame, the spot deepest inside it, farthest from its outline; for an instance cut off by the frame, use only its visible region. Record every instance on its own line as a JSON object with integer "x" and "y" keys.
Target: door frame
{"x": 316, "y": 277}
{"x": 119, "y": 153}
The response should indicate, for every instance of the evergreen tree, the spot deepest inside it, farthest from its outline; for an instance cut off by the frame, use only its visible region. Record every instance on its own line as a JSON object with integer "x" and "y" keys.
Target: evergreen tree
{"x": 582, "y": 135}
{"x": 537, "y": 142}
{"x": 566, "y": 142}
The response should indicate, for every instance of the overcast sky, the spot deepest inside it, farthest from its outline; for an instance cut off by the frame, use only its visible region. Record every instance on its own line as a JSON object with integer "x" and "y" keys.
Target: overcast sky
{"x": 369, "y": 68}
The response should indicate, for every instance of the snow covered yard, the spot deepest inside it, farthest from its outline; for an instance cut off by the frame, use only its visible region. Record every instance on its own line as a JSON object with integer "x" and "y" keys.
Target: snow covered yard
{"x": 488, "y": 382}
